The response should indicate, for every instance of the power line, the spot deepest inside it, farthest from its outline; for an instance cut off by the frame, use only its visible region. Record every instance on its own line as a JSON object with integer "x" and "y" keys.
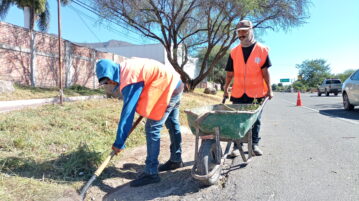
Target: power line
{"x": 81, "y": 4}
{"x": 110, "y": 28}
{"x": 118, "y": 23}
{"x": 92, "y": 10}
{"x": 84, "y": 22}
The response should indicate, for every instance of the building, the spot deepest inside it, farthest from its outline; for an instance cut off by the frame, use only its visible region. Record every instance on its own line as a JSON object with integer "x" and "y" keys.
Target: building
{"x": 150, "y": 51}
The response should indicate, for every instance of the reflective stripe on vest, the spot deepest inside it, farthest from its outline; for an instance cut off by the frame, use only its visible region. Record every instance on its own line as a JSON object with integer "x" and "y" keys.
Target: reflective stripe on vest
{"x": 159, "y": 83}
{"x": 248, "y": 76}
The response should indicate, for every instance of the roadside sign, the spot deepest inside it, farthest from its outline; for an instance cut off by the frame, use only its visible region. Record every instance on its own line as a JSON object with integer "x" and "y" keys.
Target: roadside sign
{"x": 285, "y": 80}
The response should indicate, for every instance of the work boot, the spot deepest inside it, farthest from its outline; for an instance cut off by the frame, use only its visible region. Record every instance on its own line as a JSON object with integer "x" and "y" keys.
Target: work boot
{"x": 145, "y": 179}
{"x": 235, "y": 152}
{"x": 256, "y": 150}
{"x": 169, "y": 165}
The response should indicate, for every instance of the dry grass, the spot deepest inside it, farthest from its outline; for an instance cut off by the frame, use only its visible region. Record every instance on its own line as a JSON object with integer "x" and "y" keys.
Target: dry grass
{"x": 26, "y": 92}
{"x": 46, "y": 151}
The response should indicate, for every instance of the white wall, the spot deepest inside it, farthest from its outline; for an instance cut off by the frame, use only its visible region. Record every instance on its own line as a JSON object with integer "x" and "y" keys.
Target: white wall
{"x": 152, "y": 51}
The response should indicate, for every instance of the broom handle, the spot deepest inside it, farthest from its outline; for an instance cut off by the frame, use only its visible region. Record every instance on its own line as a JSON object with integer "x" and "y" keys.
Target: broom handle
{"x": 113, "y": 153}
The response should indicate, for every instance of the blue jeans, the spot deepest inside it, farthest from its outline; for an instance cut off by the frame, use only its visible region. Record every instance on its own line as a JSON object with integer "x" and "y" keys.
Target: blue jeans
{"x": 153, "y": 135}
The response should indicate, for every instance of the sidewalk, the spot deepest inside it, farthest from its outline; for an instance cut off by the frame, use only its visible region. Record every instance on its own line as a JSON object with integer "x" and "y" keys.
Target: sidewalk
{"x": 7, "y": 106}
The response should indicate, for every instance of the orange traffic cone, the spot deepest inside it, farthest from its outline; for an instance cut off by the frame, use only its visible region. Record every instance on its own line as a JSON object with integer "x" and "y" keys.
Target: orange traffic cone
{"x": 299, "y": 100}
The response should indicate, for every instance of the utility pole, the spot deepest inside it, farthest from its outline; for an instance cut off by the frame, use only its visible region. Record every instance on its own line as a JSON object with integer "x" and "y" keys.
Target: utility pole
{"x": 60, "y": 60}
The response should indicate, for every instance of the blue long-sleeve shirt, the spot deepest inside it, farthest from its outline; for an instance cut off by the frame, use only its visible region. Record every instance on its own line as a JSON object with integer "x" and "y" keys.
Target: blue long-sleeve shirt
{"x": 131, "y": 94}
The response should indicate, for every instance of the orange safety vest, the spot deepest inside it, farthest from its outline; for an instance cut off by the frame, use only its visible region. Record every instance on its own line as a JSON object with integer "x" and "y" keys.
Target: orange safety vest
{"x": 248, "y": 76}
{"x": 159, "y": 84}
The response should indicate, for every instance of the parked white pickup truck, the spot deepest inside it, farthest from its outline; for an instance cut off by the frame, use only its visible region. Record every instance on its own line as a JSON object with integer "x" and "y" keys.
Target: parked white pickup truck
{"x": 330, "y": 86}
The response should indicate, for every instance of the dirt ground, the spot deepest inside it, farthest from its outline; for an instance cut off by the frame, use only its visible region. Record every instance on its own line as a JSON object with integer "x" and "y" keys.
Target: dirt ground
{"x": 113, "y": 183}
{"x": 173, "y": 185}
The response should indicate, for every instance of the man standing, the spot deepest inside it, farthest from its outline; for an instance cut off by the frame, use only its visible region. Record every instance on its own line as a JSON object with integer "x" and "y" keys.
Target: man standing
{"x": 154, "y": 92}
{"x": 248, "y": 64}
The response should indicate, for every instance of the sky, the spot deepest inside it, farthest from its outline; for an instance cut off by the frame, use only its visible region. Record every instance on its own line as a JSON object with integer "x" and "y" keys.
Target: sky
{"x": 330, "y": 33}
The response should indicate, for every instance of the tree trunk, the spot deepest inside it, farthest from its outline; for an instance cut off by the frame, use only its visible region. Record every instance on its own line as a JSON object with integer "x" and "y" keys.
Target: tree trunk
{"x": 32, "y": 59}
{"x": 31, "y": 22}
{"x": 190, "y": 85}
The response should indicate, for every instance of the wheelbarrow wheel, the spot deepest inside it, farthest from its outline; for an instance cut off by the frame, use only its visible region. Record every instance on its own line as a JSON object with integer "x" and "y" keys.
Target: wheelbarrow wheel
{"x": 208, "y": 159}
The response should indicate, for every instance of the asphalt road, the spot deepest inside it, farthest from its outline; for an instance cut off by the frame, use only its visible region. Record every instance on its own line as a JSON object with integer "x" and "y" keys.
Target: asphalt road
{"x": 310, "y": 153}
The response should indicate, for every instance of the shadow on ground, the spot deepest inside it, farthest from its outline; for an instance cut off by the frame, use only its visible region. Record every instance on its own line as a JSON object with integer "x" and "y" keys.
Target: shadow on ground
{"x": 341, "y": 113}
{"x": 78, "y": 165}
{"x": 329, "y": 106}
{"x": 173, "y": 184}
{"x": 324, "y": 96}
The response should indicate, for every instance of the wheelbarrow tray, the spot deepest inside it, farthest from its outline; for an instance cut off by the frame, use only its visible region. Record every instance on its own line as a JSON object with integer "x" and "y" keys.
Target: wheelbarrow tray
{"x": 233, "y": 120}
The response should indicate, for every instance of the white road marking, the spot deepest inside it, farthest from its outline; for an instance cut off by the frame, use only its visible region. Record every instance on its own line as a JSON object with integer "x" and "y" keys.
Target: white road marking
{"x": 343, "y": 119}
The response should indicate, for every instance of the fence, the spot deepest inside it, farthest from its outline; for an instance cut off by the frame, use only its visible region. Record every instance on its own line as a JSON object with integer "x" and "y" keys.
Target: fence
{"x": 15, "y": 58}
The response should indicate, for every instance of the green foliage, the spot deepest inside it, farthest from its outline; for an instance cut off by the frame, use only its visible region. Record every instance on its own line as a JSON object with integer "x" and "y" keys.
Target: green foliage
{"x": 184, "y": 26}
{"x": 218, "y": 74}
{"x": 274, "y": 87}
{"x": 343, "y": 76}
{"x": 249, "y": 107}
{"x": 281, "y": 88}
{"x": 81, "y": 163}
{"x": 82, "y": 90}
{"x": 313, "y": 72}
{"x": 29, "y": 92}
{"x": 299, "y": 86}
{"x": 38, "y": 8}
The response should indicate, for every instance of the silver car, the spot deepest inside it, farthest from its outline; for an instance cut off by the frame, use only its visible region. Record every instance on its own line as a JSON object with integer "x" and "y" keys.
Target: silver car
{"x": 350, "y": 91}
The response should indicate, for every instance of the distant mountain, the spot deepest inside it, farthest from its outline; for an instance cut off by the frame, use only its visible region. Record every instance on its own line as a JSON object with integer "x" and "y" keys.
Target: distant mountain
{"x": 108, "y": 44}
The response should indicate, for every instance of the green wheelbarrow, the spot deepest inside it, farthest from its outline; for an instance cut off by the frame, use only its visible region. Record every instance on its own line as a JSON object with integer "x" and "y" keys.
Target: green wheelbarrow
{"x": 215, "y": 123}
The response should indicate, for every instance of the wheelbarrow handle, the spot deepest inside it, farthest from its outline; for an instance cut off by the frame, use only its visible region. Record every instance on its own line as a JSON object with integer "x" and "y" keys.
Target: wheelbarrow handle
{"x": 265, "y": 101}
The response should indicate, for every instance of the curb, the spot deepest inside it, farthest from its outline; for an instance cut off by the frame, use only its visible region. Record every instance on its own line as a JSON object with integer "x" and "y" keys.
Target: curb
{"x": 6, "y": 106}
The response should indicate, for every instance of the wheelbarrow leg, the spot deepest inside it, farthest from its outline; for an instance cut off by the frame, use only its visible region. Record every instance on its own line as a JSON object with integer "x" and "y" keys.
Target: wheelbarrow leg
{"x": 228, "y": 147}
{"x": 196, "y": 148}
{"x": 247, "y": 139}
{"x": 250, "y": 145}
{"x": 218, "y": 143}
{"x": 242, "y": 152}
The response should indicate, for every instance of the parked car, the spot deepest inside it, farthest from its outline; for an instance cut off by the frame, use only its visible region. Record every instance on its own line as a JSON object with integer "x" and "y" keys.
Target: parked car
{"x": 350, "y": 91}
{"x": 330, "y": 86}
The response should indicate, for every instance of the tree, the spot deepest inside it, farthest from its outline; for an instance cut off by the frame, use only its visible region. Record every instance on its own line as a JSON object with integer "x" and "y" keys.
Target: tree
{"x": 313, "y": 72}
{"x": 343, "y": 76}
{"x": 299, "y": 86}
{"x": 186, "y": 26}
{"x": 39, "y": 11}
{"x": 218, "y": 74}
{"x": 274, "y": 87}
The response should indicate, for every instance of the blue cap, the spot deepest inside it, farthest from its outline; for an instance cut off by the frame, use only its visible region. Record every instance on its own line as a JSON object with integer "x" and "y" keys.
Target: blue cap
{"x": 109, "y": 69}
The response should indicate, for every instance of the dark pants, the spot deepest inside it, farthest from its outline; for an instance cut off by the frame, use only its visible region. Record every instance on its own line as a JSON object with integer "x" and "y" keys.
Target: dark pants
{"x": 257, "y": 125}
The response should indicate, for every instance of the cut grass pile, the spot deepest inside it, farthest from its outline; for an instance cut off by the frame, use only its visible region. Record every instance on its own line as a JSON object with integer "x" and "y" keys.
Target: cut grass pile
{"x": 26, "y": 92}
{"x": 46, "y": 151}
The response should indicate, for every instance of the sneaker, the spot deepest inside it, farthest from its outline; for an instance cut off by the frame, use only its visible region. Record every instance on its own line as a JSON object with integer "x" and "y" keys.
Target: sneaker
{"x": 145, "y": 179}
{"x": 169, "y": 165}
{"x": 256, "y": 150}
{"x": 235, "y": 153}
